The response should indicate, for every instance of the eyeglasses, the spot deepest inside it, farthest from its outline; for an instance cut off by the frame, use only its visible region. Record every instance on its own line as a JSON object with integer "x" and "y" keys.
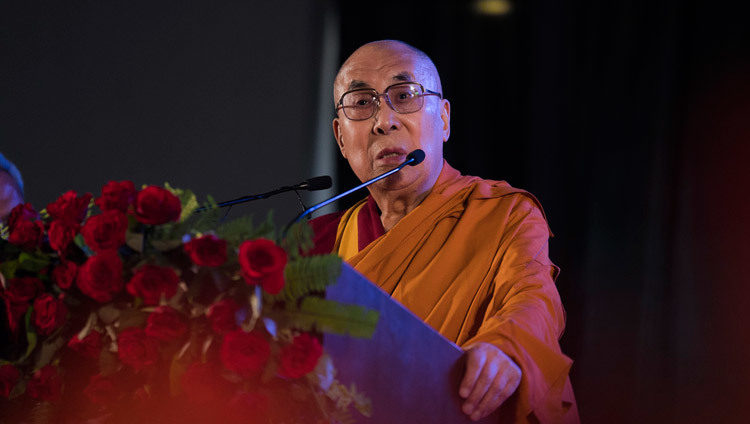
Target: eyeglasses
{"x": 404, "y": 97}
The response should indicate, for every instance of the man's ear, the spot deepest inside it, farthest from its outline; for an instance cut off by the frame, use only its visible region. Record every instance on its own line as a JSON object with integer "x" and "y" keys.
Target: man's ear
{"x": 445, "y": 116}
{"x": 337, "y": 135}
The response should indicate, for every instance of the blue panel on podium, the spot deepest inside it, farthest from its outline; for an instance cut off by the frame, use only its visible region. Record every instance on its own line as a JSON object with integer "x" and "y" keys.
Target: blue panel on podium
{"x": 408, "y": 369}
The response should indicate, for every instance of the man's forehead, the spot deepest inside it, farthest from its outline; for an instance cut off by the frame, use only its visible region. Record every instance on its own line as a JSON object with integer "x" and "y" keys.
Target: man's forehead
{"x": 402, "y": 76}
{"x": 381, "y": 67}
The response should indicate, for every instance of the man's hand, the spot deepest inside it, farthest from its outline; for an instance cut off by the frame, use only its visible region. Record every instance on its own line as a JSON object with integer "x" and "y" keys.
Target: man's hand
{"x": 491, "y": 378}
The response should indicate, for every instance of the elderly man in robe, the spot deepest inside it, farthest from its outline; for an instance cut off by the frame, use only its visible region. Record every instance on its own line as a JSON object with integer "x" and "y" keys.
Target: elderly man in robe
{"x": 11, "y": 187}
{"x": 466, "y": 255}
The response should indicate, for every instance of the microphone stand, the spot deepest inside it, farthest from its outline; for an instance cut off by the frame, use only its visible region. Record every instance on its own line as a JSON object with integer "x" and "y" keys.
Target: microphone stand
{"x": 413, "y": 158}
{"x": 312, "y": 184}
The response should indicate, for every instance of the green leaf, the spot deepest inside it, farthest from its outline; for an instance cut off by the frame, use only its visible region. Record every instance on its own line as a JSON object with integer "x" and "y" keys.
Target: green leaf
{"x": 9, "y": 268}
{"x": 333, "y": 317}
{"x": 81, "y": 243}
{"x": 241, "y": 229}
{"x": 307, "y": 275}
{"x": 206, "y": 220}
{"x": 4, "y": 231}
{"x": 31, "y": 337}
{"x": 32, "y": 262}
{"x": 298, "y": 239}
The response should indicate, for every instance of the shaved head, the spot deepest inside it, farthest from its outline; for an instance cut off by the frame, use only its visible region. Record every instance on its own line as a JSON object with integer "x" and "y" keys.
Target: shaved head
{"x": 382, "y": 141}
{"x": 425, "y": 68}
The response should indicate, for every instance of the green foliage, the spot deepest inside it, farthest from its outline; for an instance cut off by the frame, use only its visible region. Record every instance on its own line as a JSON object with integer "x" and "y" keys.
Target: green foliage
{"x": 8, "y": 269}
{"x": 81, "y": 243}
{"x": 206, "y": 220}
{"x": 298, "y": 239}
{"x": 330, "y": 316}
{"x": 241, "y": 229}
{"x": 309, "y": 275}
{"x": 187, "y": 199}
{"x": 31, "y": 338}
{"x": 32, "y": 262}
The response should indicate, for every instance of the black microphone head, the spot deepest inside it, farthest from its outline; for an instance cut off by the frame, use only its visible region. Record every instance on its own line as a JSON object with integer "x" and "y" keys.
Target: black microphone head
{"x": 318, "y": 183}
{"x": 417, "y": 155}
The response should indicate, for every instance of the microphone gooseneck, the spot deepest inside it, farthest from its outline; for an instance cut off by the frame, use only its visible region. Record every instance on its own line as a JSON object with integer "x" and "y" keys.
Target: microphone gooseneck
{"x": 311, "y": 184}
{"x": 414, "y": 158}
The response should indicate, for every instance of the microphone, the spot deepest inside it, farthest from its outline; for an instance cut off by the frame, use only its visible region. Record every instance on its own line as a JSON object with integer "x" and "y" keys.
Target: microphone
{"x": 414, "y": 158}
{"x": 315, "y": 183}
{"x": 311, "y": 184}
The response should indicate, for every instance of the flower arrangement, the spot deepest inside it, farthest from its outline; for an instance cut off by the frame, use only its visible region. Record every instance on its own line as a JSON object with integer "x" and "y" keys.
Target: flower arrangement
{"x": 155, "y": 310}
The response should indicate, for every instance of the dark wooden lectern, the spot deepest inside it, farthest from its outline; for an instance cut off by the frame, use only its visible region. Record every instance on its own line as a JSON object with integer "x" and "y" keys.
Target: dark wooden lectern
{"x": 409, "y": 370}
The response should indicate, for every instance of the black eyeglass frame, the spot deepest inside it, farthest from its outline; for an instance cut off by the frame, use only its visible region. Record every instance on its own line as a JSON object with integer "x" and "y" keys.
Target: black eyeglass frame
{"x": 425, "y": 92}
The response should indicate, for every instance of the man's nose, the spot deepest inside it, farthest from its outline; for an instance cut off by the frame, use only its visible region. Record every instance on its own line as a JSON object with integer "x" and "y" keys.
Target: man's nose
{"x": 386, "y": 119}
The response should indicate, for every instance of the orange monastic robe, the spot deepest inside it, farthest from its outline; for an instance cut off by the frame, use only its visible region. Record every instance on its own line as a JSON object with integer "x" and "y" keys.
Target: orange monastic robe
{"x": 472, "y": 262}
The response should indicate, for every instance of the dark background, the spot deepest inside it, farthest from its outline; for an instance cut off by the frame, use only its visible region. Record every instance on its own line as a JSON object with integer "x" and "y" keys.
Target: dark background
{"x": 630, "y": 121}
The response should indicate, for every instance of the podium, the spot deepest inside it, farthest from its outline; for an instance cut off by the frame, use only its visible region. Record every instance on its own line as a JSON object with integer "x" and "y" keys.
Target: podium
{"x": 409, "y": 371}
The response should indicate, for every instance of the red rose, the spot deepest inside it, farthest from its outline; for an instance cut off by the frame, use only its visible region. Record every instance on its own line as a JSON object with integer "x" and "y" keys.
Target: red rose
{"x": 207, "y": 250}
{"x": 102, "y": 390}
{"x": 49, "y": 314}
{"x": 23, "y": 289}
{"x": 166, "y": 324}
{"x": 244, "y": 353}
{"x": 151, "y": 281}
{"x": 17, "y": 296}
{"x": 70, "y": 206}
{"x": 117, "y": 196}
{"x": 105, "y": 231}
{"x": 136, "y": 349}
{"x": 26, "y": 234}
{"x": 100, "y": 277}
{"x": 90, "y": 346}
{"x": 61, "y": 233}
{"x": 15, "y": 312}
{"x": 203, "y": 383}
{"x": 9, "y": 376}
{"x": 262, "y": 262}
{"x": 155, "y": 206}
{"x": 247, "y": 408}
{"x": 64, "y": 274}
{"x": 222, "y": 316}
{"x": 22, "y": 211}
{"x": 46, "y": 384}
{"x": 300, "y": 357}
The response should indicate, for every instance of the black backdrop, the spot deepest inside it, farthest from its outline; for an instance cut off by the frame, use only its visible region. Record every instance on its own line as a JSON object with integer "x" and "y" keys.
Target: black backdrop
{"x": 629, "y": 120}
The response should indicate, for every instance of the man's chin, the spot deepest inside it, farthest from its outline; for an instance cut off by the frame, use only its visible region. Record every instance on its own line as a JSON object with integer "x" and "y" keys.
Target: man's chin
{"x": 395, "y": 182}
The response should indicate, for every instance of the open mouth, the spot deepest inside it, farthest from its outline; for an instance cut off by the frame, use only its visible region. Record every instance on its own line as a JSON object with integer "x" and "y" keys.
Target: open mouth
{"x": 391, "y": 153}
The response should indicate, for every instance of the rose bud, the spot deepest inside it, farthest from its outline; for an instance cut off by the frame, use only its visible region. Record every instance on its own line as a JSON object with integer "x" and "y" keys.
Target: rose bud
{"x": 300, "y": 357}
{"x": 208, "y": 250}
{"x": 105, "y": 231}
{"x": 155, "y": 206}
{"x": 49, "y": 314}
{"x": 244, "y": 353}
{"x": 150, "y": 282}
{"x": 117, "y": 196}
{"x": 100, "y": 277}
{"x": 136, "y": 349}
{"x": 262, "y": 263}
{"x": 70, "y": 206}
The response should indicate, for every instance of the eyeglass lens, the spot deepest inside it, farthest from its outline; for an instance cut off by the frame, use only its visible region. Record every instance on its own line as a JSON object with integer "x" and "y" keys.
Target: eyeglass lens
{"x": 403, "y": 98}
